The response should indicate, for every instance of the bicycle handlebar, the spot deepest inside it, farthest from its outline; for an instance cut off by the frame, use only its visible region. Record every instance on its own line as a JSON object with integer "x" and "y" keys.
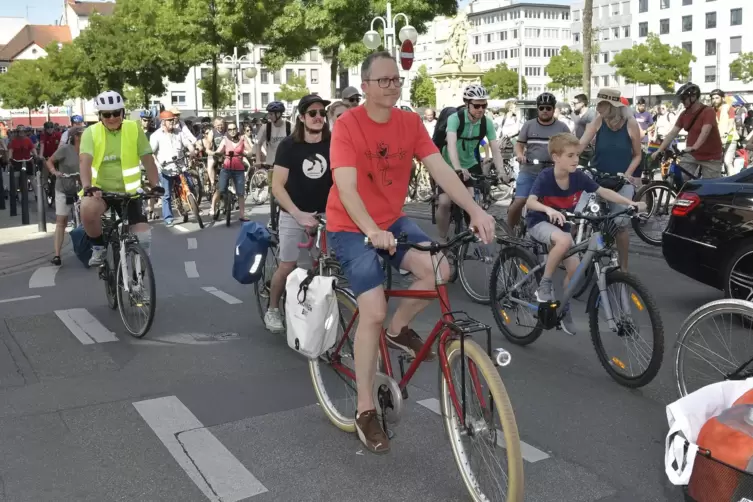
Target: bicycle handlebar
{"x": 631, "y": 210}
{"x": 433, "y": 247}
{"x": 312, "y": 232}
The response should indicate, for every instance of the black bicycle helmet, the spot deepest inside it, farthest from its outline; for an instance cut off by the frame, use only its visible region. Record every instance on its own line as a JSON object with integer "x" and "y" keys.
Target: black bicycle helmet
{"x": 689, "y": 89}
{"x": 546, "y": 98}
{"x": 276, "y": 107}
{"x": 717, "y": 92}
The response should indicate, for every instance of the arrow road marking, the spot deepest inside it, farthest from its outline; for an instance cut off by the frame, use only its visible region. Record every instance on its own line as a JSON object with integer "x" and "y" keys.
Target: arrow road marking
{"x": 85, "y": 326}
{"x": 528, "y": 452}
{"x": 222, "y": 295}
{"x": 43, "y": 277}
{"x": 211, "y": 466}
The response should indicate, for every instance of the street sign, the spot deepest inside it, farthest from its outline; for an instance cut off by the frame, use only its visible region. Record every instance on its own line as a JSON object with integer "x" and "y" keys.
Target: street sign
{"x": 406, "y": 55}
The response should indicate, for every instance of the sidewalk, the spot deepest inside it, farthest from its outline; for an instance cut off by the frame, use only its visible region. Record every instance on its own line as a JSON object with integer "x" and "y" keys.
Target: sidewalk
{"x": 23, "y": 246}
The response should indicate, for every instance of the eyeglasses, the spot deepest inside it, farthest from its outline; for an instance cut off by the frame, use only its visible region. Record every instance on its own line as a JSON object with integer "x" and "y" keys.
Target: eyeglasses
{"x": 314, "y": 113}
{"x": 384, "y": 82}
{"x": 481, "y": 106}
{"x": 546, "y": 108}
{"x": 354, "y": 99}
{"x": 108, "y": 115}
{"x": 231, "y": 129}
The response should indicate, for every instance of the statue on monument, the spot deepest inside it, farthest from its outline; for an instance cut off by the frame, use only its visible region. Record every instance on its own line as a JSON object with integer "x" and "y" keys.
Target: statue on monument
{"x": 457, "y": 47}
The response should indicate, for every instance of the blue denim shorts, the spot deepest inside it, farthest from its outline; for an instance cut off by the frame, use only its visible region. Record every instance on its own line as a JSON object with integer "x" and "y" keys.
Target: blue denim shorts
{"x": 523, "y": 184}
{"x": 239, "y": 180}
{"x": 360, "y": 262}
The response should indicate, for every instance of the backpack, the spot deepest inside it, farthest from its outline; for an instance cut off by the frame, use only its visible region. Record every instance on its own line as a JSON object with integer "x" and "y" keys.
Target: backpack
{"x": 440, "y": 131}
{"x": 250, "y": 252}
{"x": 269, "y": 130}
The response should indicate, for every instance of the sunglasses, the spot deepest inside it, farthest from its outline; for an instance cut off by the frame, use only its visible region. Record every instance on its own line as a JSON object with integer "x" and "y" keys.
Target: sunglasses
{"x": 546, "y": 108}
{"x": 355, "y": 99}
{"x": 231, "y": 129}
{"x": 479, "y": 107}
{"x": 108, "y": 115}
{"x": 314, "y": 113}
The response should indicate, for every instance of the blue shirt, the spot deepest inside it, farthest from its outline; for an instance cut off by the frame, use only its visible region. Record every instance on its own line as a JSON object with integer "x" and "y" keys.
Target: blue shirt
{"x": 549, "y": 193}
{"x": 613, "y": 151}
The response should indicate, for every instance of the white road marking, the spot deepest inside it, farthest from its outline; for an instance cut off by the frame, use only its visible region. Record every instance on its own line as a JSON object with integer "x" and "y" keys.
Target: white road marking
{"x": 85, "y": 326}
{"x": 211, "y": 466}
{"x": 222, "y": 295}
{"x": 191, "y": 271}
{"x": 192, "y": 243}
{"x": 528, "y": 452}
{"x": 43, "y": 277}
{"x": 8, "y": 300}
{"x": 182, "y": 229}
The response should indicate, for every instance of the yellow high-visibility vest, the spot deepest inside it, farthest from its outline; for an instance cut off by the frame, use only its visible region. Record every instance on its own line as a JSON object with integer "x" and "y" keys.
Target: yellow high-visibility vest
{"x": 129, "y": 153}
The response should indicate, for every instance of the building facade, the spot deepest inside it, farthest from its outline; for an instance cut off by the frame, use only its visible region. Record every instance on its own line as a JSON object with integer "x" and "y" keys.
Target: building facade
{"x": 715, "y": 32}
{"x": 523, "y": 35}
{"x": 613, "y": 31}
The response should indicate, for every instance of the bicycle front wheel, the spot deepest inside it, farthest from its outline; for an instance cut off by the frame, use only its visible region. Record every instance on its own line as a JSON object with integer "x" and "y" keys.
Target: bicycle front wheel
{"x": 263, "y": 286}
{"x": 475, "y": 261}
{"x": 138, "y": 304}
{"x": 633, "y": 354}
{"x": 195, "y": 209}
{"x": 228, "y": 207}
{"x": 714, "y": 342}
{"x": 486, "y": 445}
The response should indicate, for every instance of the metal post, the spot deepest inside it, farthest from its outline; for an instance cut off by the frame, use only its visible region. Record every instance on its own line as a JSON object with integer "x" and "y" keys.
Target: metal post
{"x": 12, "y": 189}
{"x": 520, "y": 60}
{"x": 41, "y": 203}
{"x": 236, "y": 77}
{"x": 23, "y": 181}
{"x": 2, "y": 188}
{"x": 389, "y": 29}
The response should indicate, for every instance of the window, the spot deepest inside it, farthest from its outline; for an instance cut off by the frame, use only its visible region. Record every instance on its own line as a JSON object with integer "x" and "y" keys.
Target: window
{"x": 355, "y": 71}
{"x": 687, "y": 2}
{"x": 3, "y": 69}
{"x": 302, "y": 74}
{"x": 488, "y": 38}
{"x": 605, "y": 80}
{"x": 533, "y": 32}
{"x": 710, "y": 20}
{"x": 503, "y": 35}
{"x": 264, "y": 76}
{"x": 532, "y": 71}
{"x": 314, "y": 76}
{"x": 663, "y": 26}
{"x": 604, "y": 58}
{"x": 246, "y": 100}
{"x": 576, "y": 37}
{"x": 625, "y": 8}
{"x": 616, "y": 33}
{"x": 642, "y": 5}
{"x": 514, "y": 33}
{"x": 735, "y": 45}
{"x": 596, "y": 81}
{"x": 687, "y": 46}
{"x": 576, "y": 15}
{"x": 596, "y": 58}
{"x": 733, "y": 75}
{"x": 565, "y": 34}
{"x": 711, "y": 47}
{"x": 262, "y": 52}
{"x": 289, "y": 75}
{"x": 626, "y": 31}
{"x": 687, "y": 23}
{"x": 665, "y": 4}
{"x": 605, "y": 34}
{"x": 314, "y": 55}
{"x": 615, "y": 9}
{"x": 178, "y": 98}
{"x": 735, "y": 17}
{"x": 264, "y": 99}
{"x": 643, "y": 29}
{"x": 276, "y": 77}
{"x": 204, "y": 73}
{"x": 710, "y": 72}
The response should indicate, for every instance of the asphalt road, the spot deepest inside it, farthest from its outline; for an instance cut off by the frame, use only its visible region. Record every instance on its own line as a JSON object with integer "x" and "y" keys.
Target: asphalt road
{"x": 211, "y": 406}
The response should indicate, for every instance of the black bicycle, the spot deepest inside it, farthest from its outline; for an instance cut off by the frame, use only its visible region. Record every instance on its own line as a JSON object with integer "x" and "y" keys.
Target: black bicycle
{"x": 126, "y": 269}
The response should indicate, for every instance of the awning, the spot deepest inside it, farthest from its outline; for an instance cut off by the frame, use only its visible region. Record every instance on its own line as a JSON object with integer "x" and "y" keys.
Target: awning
{"x": 38, "y": 121}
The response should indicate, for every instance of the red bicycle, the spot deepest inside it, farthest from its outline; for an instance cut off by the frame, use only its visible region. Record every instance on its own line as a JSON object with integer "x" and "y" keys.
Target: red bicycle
{"x": 478, "y": 418}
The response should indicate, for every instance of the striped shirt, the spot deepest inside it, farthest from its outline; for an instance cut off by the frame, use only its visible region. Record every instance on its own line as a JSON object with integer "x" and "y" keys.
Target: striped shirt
{"x": 535, "y": 136}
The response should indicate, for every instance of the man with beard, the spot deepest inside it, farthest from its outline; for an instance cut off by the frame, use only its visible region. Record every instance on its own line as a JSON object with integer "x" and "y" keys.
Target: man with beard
{"x": 725, "y": 121}
{"x": 301, "y": 184}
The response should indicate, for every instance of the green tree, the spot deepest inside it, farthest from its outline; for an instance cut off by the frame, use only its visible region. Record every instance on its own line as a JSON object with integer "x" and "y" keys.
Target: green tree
{"x": 70, "y": 67}
{"x": 502, "y": 82}
{"x": 565, "y": 69}
{"x": 337, "y": 28}
{"x": 743, "y": 67}
{"x": 653, "y": 63}
{"x": 422, "y": 90}
{"x": 26, "y": 84}
{"x": 134, "y": 98}
{"x": 220, "y": 88}
{"x": 294, "y": 89}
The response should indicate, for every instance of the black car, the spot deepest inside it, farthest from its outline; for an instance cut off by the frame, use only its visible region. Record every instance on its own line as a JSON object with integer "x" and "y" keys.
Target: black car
{"x": 710, "y": 233}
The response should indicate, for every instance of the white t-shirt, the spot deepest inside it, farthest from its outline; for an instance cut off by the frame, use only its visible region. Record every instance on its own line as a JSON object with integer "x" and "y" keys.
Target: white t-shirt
{"x": 278, "y": 133}
{"x": 168, "y": 145}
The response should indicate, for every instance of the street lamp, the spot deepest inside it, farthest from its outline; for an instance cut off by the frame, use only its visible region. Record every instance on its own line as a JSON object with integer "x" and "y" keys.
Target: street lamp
{"x": 234, "y": 64}
{"x": 519, "y": 24}
{"x": 372, "y": 40}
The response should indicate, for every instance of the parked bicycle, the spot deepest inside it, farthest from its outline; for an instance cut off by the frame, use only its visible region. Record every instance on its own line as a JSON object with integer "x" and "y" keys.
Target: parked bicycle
{"x": 127, "y": 269}
{"x": 514, "y": 302}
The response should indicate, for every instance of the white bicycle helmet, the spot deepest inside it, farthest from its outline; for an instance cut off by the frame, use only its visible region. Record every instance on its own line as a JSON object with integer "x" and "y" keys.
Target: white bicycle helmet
{"x": 475, "y": 91}
{"x": 109, "y": 101}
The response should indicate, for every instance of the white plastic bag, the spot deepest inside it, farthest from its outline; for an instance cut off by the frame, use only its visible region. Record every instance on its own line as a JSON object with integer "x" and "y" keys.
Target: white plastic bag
{"x": 687, "y": 415}
{"x": 311, "y": 313}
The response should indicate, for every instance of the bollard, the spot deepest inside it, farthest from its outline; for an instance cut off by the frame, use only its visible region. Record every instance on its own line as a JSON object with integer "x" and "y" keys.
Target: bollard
{"x": 2, "y": 188}
{"x": 24, "y": 185}
{"x": 41, "y": 204}
{"x": 12, "y": 190}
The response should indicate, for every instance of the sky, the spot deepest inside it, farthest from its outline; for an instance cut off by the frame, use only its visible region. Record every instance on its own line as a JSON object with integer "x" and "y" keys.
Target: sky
{"x": 49, "y": 11}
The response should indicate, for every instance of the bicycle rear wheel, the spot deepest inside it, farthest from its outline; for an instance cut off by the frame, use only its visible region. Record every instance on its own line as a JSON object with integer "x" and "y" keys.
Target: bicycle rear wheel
{"x": 475, "y": 261}
{"x": 109, "y": 276}
{"x": 659, "y": 198}
{"x": 334, "y": 388}
{"x": 489, "y": 425}
{"x": 141, "y": 294}
{"x": 195, "y": 209}
{"x": 263, "y": 285}
{"x": 719, "y": 335}
{"x": 228, "y": 207}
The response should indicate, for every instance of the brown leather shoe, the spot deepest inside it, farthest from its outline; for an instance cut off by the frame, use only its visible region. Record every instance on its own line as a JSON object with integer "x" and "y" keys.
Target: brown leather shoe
{"x": 370, "y": 432}
{"x": 409, "y": 342}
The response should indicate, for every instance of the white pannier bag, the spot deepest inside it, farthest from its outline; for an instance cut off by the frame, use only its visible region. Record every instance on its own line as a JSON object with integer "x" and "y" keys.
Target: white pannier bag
{"x": 311, "y": 313}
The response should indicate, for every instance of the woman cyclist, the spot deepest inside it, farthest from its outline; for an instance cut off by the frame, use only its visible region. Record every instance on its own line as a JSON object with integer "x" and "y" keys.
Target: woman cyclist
{"x": 233, "y": 167}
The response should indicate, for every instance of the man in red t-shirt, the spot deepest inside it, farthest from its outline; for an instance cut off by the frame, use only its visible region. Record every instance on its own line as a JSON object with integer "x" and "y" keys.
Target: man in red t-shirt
{"x": 703, "y": 154}
{"x": 22, "y": 148}
{"x": 371, "y": 157}
{"x": 49, "y": 141}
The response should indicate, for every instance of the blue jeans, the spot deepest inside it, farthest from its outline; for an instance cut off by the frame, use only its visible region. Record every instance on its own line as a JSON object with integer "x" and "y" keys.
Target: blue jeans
{"x": 167, "y": 199}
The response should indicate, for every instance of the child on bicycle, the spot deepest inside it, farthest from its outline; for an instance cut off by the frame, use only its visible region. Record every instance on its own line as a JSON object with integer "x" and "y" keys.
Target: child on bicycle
{"x": 555, "y": 189}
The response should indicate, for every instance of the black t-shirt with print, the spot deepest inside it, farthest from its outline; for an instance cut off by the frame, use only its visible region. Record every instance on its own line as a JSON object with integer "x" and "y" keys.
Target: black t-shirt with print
{"x": 309, "y": 174}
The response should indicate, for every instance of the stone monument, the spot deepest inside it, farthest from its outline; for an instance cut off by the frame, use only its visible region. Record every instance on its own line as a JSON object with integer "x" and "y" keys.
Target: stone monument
{"x": 457, "y": 70}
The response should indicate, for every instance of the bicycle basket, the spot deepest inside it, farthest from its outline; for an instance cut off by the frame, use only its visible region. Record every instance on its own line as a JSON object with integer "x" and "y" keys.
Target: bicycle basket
{"x": 715, "y": 481}
{"x": 609, "y": 229}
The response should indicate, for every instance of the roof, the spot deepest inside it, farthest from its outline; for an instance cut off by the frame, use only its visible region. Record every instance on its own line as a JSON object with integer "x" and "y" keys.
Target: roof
{"x": 42, "y": 35}
{"x": 85, "y": 9}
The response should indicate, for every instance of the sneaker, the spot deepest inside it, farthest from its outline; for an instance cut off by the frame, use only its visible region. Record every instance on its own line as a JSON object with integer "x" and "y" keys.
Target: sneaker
{"x": 409, "y": 342}
{"x": 370, "y": 432}
{"x": 568, "y": 326}
{"x": 545, "y": 293}
{"x": 273, "y": 321}
{"x": 98, "y": 256}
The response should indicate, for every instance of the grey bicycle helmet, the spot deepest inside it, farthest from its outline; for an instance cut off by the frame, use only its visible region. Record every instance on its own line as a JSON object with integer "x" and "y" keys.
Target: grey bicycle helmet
{"x": 475, "y": 91}
{"x": 546, "y": 98}
{"x": 276, "y": 107}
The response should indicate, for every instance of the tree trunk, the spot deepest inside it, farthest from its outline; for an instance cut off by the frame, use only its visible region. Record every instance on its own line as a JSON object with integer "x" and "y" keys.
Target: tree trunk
{"x": 334, "y": 66}
{"x": 587, "y": 38}
{"x": 649, "y": 96}
{"x": 215, "y": 83}
{"x": 146, "y": 98}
